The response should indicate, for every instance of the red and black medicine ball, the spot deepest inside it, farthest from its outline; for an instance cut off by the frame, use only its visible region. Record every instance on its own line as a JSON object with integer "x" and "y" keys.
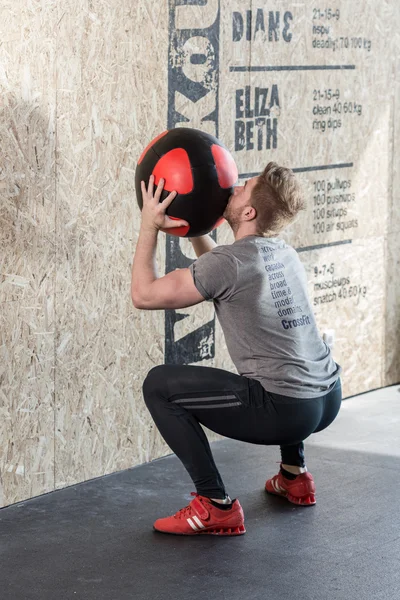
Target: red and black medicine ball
{"x": 199, "y": 168}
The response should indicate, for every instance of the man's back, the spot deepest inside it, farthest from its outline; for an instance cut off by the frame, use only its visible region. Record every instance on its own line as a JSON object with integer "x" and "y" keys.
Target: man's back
{"x": 259, "y": 288}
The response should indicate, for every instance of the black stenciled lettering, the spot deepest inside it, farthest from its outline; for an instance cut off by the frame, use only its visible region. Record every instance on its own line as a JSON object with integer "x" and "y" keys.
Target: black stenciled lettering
{"x": 273, "y": 26}
{"x": 247, "y": 24}
{"x": 274, "y": 101}
{"x": 262, "y": 131}
{"x": 260, "y": 124}
{"x": 237, "y": 26}
{"x": 248, "y": 27}
{"x": 260, "y": 23}
{"x": 272, "y": 133}
{"x": 261, "y": 95}
{"x": 286, "y": 34}
{"x": 239, "y": 104}
{"x": 267, "y": 134}
{"x": 249, "y": 113}
{"x": 249, "y": 135}
{"x": 192, "y": 99}
{"x": 240, "y": 135}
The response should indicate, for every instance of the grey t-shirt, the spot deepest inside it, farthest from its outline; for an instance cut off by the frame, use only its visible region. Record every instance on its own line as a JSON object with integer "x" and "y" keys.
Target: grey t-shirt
{"x": 259, "y": 289}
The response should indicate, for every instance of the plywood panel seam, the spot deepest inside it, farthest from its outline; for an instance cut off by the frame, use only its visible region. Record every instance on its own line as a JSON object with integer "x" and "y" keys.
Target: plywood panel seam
{"x": 56, "y": 225}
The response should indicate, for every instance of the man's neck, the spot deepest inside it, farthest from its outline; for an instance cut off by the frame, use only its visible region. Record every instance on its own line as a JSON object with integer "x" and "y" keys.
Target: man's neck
{"x": 242, "y": 233}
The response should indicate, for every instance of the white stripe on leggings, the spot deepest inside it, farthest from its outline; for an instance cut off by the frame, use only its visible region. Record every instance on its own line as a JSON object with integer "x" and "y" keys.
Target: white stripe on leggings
{"x": 180, "y": 401}
{"x": 226, "y": 405}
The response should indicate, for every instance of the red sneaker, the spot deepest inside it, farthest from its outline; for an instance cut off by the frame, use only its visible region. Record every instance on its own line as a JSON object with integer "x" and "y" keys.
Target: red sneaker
{"x": 299, "y": 491}
{"x": 202, "y": 517}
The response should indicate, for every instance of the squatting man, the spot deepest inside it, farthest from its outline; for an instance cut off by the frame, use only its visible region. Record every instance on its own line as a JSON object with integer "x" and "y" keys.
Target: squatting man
{"x": 287, "y": 385}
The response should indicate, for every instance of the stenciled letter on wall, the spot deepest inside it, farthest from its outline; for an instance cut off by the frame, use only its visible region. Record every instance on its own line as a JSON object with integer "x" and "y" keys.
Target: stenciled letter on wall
{"x": 193, "y": 69}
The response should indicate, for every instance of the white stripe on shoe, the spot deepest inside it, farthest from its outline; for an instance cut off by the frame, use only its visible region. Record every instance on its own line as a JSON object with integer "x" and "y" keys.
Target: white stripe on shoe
{"x": 198, "y": 522}
{"x": 192, "y": 525}
{"x": 276, "y": 486}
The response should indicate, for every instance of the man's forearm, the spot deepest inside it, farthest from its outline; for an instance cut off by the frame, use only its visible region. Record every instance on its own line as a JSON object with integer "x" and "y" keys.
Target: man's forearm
{"x": 202, "y": 244}
{"x": 144, "y": 268}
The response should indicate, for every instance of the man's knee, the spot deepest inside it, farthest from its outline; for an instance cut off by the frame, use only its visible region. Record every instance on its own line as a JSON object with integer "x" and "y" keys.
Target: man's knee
{"x": 153, "y": 382}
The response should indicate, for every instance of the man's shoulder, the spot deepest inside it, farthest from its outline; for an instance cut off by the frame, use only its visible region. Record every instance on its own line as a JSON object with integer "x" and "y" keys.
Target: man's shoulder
{"x": 223, "y": 250}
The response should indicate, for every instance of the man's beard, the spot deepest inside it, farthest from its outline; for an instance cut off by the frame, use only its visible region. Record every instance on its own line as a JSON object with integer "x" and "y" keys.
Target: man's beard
{"x": 232, "y": 216}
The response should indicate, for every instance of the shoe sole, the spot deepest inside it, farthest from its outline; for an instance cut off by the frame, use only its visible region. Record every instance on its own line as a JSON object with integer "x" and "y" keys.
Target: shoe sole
{"x": 308, "y": 500}
{"x": 241, "y": 530}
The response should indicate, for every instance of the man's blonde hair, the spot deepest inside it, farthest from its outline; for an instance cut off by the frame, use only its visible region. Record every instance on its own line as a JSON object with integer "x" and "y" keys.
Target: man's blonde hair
{"x": 277, "y": 198}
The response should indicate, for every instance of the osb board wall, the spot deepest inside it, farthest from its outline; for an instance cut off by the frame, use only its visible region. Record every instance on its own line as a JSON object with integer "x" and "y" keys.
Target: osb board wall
{"x": 84, "y": 86}
{"x": 27, "y": 249}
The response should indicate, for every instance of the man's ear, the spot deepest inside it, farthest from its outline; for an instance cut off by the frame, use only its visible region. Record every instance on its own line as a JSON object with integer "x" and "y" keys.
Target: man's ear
{"x": 249, "y": 213}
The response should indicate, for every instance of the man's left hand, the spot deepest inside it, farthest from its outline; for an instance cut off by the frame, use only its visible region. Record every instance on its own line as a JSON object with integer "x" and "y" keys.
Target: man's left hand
{"x": 154, "y": 212}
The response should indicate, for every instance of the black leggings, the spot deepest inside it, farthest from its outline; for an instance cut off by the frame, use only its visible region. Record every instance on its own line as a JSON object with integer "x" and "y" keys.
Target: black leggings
{"x": 180, "y": 398}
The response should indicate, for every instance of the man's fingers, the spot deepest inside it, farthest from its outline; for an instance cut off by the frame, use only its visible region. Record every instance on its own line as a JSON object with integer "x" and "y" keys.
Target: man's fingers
{"x": 151, "y": 185}
{"x": 159, "y": 190}
{"x": 175, "y": 223}
{"x": 165, "y": 203}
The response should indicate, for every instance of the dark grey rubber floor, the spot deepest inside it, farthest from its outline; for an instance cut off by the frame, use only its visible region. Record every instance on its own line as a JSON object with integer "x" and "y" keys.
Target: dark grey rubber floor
{"x": 95, "y": 541}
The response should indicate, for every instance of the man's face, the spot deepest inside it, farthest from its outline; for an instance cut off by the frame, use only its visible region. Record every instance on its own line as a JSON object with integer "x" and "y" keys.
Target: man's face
{"x": 239, "y": 200}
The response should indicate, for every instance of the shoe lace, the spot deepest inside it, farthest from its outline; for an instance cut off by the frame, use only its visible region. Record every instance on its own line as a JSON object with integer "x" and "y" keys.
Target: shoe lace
{"x": 183, "y": 512}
